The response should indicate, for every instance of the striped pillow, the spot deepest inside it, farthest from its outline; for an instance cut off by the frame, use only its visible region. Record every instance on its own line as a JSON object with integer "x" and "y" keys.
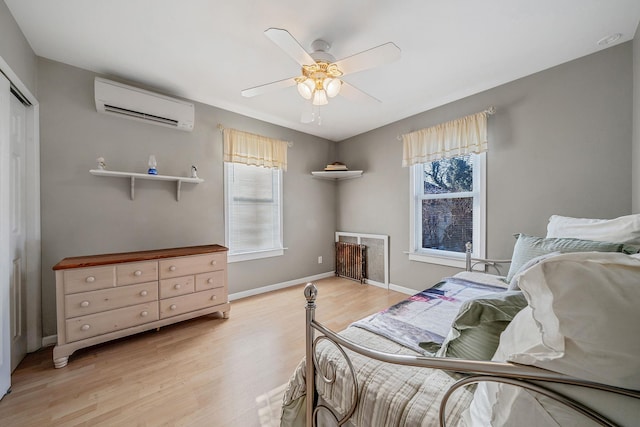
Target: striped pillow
{"x": 475, "y": 332}
{"x": 529, "y": 247}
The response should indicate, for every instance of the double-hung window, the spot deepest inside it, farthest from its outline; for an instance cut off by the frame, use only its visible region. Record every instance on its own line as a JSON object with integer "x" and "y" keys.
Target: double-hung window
{"x": 253, "y": 205}
{"x": 447, "y": 202}
{"x": 448, "y": 209}
{"x": 253, "y": 166}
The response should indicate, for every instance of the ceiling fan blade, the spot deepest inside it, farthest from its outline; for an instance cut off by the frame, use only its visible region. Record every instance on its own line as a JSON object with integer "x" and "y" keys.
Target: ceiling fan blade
{"x": 259, "y": 90}
{"x": 371, "y": 58}
{"x": 290, "y": 45}
{"x": 352, "y": 93}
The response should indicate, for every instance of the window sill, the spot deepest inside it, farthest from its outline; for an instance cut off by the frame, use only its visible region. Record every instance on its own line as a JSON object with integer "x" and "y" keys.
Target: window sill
{"x": 248, "y": 256}
{"x": 440, "y": 260}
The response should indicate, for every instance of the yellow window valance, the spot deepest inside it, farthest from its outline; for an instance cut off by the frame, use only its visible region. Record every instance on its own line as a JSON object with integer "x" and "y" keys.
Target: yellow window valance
{"x": 251, "y": 149}
{"x": 455, "y": 138}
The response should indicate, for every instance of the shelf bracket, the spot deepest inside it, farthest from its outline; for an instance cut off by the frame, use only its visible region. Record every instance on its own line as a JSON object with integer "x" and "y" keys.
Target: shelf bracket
{"x": 178, "y": 185}
{"x": 133, "y": 186}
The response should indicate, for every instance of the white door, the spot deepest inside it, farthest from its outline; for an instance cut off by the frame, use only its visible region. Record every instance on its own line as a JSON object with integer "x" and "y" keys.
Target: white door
{"x": 18, "y": 282}
{"x": 5, "y": 335}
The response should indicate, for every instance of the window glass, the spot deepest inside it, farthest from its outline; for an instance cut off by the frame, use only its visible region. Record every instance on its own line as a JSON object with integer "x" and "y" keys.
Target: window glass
{"x": 448, "y": 207}
{"x": 253, "y": 210}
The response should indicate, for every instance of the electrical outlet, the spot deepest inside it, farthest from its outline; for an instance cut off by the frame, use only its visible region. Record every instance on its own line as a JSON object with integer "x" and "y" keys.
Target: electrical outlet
{"x": 319, "y": 260}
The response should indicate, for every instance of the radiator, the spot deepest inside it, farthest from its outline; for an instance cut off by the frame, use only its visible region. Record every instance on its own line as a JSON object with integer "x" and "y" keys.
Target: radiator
{"x": 351, "y": 261}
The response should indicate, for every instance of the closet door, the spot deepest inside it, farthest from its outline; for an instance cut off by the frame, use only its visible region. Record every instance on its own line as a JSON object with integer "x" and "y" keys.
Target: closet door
{"x": 18, "y": 249}
{"x": 5, "y": 226}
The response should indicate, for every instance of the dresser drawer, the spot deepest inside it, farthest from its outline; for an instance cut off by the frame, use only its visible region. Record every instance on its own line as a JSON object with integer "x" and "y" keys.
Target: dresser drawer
{"x": 136, "y": 272}
{"x": 85, "y": 303}
{"x": 215, "y": 279}
{"x": 88, "y": 279}
{"x": 102, "y": 323}
{"x": 177, "y": 286}
{"x": 192, "y": 265}
{"x": 186, "y": 303}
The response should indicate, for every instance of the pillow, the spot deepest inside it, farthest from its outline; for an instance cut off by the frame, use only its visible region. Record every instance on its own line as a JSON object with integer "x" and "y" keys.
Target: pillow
{"x": 529, "y": 247}
{"x": 513, "y": 284}
{"x": 582, "y": 318}
{"x": 625, "y": 229}
{"x": 476, "y": 330}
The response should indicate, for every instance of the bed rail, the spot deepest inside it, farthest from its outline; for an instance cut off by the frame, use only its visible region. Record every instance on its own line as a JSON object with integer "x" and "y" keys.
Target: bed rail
{"x": 474, "y": 371}
{"x": 470, "y": 262}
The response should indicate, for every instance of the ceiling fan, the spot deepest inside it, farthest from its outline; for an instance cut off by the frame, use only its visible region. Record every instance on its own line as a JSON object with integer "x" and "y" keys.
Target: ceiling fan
{"x": 321, "y": 75}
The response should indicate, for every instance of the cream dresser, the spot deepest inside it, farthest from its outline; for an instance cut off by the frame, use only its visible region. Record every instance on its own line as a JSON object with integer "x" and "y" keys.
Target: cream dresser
{"x": 103, "y": 297}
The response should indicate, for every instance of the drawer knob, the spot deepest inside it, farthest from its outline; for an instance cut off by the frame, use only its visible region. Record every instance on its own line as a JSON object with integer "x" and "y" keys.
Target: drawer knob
{"x": 210, "y": 281}
{"x": 85, "y": 327}
{"x": 144, "y": 314}
{"x": 214, "y": 297}
{"x": 84, "y": 304}
{"x": 177, "y": 286}
{"x": 213, "y": 262}
{"x": 137, "y": 273}
{"x": 90, "y": 279}
{"x": 172, "y": 268}
{"x": 173, "y": 307}
{"x": 143, "y": 293}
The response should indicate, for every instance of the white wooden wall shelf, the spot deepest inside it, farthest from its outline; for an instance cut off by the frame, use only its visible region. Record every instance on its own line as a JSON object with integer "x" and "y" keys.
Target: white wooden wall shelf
{"x": 337, "y": 175}
{"x": 133, "y": 175}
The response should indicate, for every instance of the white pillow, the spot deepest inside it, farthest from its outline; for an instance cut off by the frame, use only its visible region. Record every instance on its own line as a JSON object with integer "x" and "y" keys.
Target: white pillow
{"x": 582, "y": 320}
{"x": 585, "y": 307}
{"x": 625, "y": 229}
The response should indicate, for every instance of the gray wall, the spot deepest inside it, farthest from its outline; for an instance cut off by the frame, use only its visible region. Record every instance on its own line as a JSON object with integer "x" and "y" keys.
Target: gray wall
{"x": 83, "y": 214}
{"x": 15, "y": 49}
{"x": 636, "y": 122}
{"x": 560, "y": 143}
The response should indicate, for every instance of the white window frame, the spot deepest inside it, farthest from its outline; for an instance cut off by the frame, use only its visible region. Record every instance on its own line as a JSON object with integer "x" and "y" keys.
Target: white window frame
{"x": 237, "y": 256}
{"x": 479, "y": 194}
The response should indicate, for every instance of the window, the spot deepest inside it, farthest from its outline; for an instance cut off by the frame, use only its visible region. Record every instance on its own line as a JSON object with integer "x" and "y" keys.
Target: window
{"x": 448, "y": 209}
{"x": 253, "y": 212}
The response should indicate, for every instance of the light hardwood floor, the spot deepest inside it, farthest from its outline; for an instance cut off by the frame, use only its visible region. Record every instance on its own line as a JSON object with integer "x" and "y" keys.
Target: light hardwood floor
{"x": 203, "y": 372}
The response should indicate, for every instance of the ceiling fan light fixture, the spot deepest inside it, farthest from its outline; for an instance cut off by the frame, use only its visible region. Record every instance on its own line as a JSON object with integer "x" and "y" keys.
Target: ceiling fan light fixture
{"x": 306, "y": 88}
{"x": 332, "y": 86}
{"x": 320, "y": 97}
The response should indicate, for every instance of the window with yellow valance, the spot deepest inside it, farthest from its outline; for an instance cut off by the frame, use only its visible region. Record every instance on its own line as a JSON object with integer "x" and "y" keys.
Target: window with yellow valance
{"x": 257, "y": 150}
{"x": 458, "y": 137}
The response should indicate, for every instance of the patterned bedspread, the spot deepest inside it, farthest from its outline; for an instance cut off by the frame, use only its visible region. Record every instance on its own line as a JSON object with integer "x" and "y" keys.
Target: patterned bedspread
{"x": 427, "y": 315}
{"x": 390, "y": 395}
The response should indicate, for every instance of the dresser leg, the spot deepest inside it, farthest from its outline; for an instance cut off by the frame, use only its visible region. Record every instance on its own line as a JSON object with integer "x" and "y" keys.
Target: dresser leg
{"x": 60, "y": 362}
{"x": 225, "y": 314}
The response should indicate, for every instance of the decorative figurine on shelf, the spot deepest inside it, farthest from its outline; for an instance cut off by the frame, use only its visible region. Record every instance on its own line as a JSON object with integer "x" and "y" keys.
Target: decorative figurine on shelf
{"x": 194, "y": 171}
{"x": 101, "y": 164}
{"x": 152, "y": 165}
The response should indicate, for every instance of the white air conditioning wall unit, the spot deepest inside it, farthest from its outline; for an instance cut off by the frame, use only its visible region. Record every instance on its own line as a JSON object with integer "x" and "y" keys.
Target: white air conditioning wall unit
{"x": 142, "y": 105}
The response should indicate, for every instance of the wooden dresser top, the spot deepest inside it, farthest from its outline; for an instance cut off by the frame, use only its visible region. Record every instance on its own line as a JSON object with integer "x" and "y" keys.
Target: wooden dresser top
{"x": 96, "y": 260}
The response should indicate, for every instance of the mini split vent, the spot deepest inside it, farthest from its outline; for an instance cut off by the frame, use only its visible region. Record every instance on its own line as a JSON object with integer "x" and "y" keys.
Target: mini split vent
{"x": 139, "y": 104}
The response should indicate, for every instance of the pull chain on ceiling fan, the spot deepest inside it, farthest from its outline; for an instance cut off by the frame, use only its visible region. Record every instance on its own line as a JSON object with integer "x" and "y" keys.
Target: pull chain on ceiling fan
{"x": 321, "y": 75}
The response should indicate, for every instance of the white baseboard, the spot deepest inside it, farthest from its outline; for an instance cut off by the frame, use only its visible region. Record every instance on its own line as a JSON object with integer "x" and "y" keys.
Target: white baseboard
{"x": 392, "y": 287}
{"x": 377, "y": 284}
{"x": 50, "y": 340}
{"x": 402, "y": 289}
{"x": 269, "y": 288}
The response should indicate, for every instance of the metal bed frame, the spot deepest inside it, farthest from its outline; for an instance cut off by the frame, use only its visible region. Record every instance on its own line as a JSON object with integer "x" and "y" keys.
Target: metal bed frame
{"x": 473, "y": 371}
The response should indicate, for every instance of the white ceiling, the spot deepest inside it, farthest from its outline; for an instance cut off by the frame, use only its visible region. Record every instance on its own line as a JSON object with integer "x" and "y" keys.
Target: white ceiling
{"x": 208, "y": 51}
